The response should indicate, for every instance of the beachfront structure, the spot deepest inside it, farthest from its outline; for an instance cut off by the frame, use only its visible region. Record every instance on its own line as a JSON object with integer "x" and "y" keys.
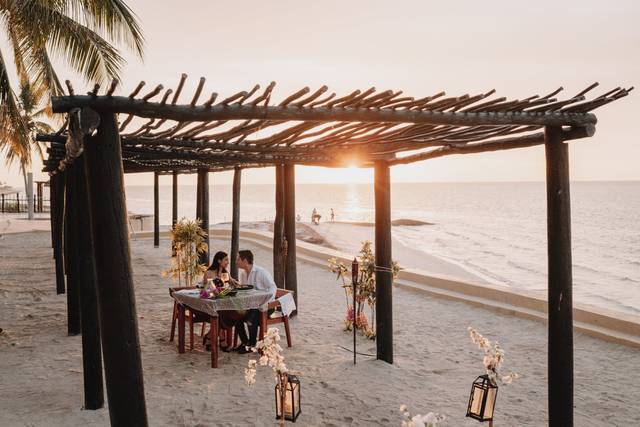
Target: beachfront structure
{"x": 246, "y": 130}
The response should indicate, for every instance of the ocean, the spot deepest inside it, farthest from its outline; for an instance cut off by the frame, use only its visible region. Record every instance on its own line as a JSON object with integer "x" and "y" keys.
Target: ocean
{"x": 494, "y": 230}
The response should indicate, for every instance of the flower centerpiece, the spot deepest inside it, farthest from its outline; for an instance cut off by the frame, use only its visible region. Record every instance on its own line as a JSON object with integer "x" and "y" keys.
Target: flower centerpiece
{"x": 365, "y": 289}
{"x": 188, "y": 241}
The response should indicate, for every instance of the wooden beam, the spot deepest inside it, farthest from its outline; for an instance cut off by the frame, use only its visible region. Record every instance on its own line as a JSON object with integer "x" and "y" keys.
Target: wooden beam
{"x": 495, "y": 145}
{"x": 290, "y": 273}
{"x": 183, "y": 113}
{"x": 384, "y": 277}
{"x": 278, "y": 229}
{"x": 204, "y": 212}
{"x": 91, "y": 348}
{"x": 560, "y": 294}
{"x": 116, "y": 298}
{"x": 156, "y": 210}
{"x": 71, "y": 251}
{"x": 235, "y": 221}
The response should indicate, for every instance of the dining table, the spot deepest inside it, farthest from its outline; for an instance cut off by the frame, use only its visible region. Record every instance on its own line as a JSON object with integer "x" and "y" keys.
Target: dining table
{"x": 242, "y": 300}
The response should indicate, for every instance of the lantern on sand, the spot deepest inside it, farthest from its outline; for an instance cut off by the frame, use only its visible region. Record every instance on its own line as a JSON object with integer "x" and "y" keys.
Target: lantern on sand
{"x": 291, "y": 399}
{"x": 482, "y": 400}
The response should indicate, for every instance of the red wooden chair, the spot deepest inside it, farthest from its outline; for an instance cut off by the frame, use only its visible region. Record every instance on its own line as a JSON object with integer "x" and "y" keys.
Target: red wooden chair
{"x": 280, "y": 317}
{"x": 191, "y": 317}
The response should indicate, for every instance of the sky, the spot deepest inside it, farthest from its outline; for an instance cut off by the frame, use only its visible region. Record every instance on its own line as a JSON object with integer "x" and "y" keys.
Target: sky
{"x": 418, "y": 46}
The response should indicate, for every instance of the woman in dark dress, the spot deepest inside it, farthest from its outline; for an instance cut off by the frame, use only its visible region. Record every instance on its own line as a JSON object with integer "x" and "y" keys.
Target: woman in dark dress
{"x": 219, "y": 274}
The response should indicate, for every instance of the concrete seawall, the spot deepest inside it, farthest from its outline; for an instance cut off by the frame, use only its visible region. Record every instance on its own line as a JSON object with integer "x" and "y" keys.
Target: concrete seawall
{"x": 605, "y": 324}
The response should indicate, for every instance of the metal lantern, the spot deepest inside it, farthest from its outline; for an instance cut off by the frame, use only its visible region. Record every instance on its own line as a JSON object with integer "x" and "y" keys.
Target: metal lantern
{"x": 483, "y": 399}
{"x": 354, "y": 270}
{"x": 291, "y": 399}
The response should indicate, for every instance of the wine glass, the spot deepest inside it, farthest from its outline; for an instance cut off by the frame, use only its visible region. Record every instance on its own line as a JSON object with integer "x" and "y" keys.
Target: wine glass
{"x": 224, "y": 276}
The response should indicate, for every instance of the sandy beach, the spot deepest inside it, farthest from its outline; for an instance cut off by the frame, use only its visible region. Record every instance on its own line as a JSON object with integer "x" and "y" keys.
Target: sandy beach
{"x": 435, "y": 361}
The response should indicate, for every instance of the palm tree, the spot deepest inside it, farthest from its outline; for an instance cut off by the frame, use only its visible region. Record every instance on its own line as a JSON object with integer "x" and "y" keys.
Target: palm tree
{"x": 80, "y": 33}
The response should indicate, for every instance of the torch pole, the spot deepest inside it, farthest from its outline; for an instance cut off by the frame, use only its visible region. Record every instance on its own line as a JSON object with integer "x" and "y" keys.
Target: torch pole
{"x": 354, "y": 283}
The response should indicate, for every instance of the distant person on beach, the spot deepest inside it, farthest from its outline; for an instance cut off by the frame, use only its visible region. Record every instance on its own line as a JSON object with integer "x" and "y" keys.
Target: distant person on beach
{"x": 333, "y": 215}
{"x": 298, "y": 217}
{"x": 315, "y": 217}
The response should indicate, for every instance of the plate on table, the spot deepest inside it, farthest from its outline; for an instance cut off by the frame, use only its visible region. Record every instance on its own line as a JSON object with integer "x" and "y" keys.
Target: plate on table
{"x": 244, "y": 287}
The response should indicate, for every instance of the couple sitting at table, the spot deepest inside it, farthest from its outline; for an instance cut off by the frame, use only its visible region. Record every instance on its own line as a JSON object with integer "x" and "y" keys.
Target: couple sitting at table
{"x": 249, "y": 274}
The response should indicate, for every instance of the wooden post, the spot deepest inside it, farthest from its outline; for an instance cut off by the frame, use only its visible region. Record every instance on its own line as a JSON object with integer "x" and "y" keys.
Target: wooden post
{"x": 174, "y": 199}
{"x": 38, "y": 204}
{"x": 71, "y": 251}
{"x": 203, "y": 175}
{"x": 91, "y": 348}
{"x": 384, "y": 278}
{"x": 116, "y": 299}
{"x": 199, "y": 197}
{"x": 235, "y": 222}
{"x": 156, "y": 210}
{"x": 2, "y": 202}
{"x": 278, "y": 229}
{"x": 290, "y": 273}
{"x": 57, "y": 222}
{"x": 560, "y": 357}
{"x": 174, "y": 207}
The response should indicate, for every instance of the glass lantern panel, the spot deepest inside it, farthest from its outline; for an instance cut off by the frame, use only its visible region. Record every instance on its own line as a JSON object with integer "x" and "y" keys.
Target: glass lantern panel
{"x": 476, "y": 402}
{"x": 296, "y": 397}
{"x": 278, "y": 404}
{"x": 491, "y": 401}
{"x": 288, "y": 401}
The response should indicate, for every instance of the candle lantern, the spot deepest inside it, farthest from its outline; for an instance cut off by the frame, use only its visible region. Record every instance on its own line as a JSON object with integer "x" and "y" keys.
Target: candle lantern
{"x": 482, "y": 400}
{"x": 354, "y": 271}
{"x": 291, "y": 399}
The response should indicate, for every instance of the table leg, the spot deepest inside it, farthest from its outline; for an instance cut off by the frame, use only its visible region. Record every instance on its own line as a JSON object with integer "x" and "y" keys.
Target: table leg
{"x": 263, "y": 324}
{"x": 180, "y": 328}
{"x": 214, "y": 341}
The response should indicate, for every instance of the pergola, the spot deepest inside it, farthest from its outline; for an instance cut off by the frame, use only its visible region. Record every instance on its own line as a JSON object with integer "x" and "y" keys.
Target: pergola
{"x": 369, "y": 128}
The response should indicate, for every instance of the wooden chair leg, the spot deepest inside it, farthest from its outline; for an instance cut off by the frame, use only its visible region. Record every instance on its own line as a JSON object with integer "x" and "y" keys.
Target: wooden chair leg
{"x": 202, "y": 329}
{"x": 191, "y": 332}
{"x": 214, "y": 341}
{"x": 181, "y": 329}
{"x": 285, "y": 319}
{"x": 174, "y": 317}
{"x": 263, "y": 325}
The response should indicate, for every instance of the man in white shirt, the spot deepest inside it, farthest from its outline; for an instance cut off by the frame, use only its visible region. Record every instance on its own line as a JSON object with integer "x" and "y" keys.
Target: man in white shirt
{"x": 259, "y": 278}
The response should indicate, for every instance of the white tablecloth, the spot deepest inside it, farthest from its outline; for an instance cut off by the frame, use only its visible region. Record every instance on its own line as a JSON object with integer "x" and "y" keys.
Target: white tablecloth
{"x": 243, "y": 300}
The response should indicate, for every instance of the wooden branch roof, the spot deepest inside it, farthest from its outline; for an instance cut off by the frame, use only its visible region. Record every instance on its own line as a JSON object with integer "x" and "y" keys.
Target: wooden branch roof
{"x": 316, "y": 127}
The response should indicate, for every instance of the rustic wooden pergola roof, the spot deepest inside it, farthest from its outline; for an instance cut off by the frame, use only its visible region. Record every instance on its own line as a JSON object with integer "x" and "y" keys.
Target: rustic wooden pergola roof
{"x": 248, "y": 129}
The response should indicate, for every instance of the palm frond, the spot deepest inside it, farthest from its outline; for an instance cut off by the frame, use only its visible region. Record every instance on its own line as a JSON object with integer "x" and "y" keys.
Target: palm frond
{"x": 14, "y": 131}
{"x": 80, "y": 47}
{"x": 111, "y": 17}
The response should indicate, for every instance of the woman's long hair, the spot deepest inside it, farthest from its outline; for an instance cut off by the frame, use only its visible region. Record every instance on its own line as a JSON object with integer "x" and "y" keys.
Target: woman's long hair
{"x": 217, "y": 259}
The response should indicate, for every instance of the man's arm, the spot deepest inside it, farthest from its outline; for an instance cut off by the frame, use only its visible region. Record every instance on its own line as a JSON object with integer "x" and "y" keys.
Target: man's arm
{"x": 267, "y": 282}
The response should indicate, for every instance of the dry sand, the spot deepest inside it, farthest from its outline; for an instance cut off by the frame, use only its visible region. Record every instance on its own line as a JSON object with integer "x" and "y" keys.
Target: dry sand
{"x": 435, "y": 363}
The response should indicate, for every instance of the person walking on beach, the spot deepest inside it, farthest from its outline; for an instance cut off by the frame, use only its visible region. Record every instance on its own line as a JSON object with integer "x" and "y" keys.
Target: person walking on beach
{"x": 333, "y": 215}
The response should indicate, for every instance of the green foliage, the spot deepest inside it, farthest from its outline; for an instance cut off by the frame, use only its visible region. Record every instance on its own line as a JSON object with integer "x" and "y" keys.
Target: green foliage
{"x": 188, "y": 241}
{"x": 80, "y": 33}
